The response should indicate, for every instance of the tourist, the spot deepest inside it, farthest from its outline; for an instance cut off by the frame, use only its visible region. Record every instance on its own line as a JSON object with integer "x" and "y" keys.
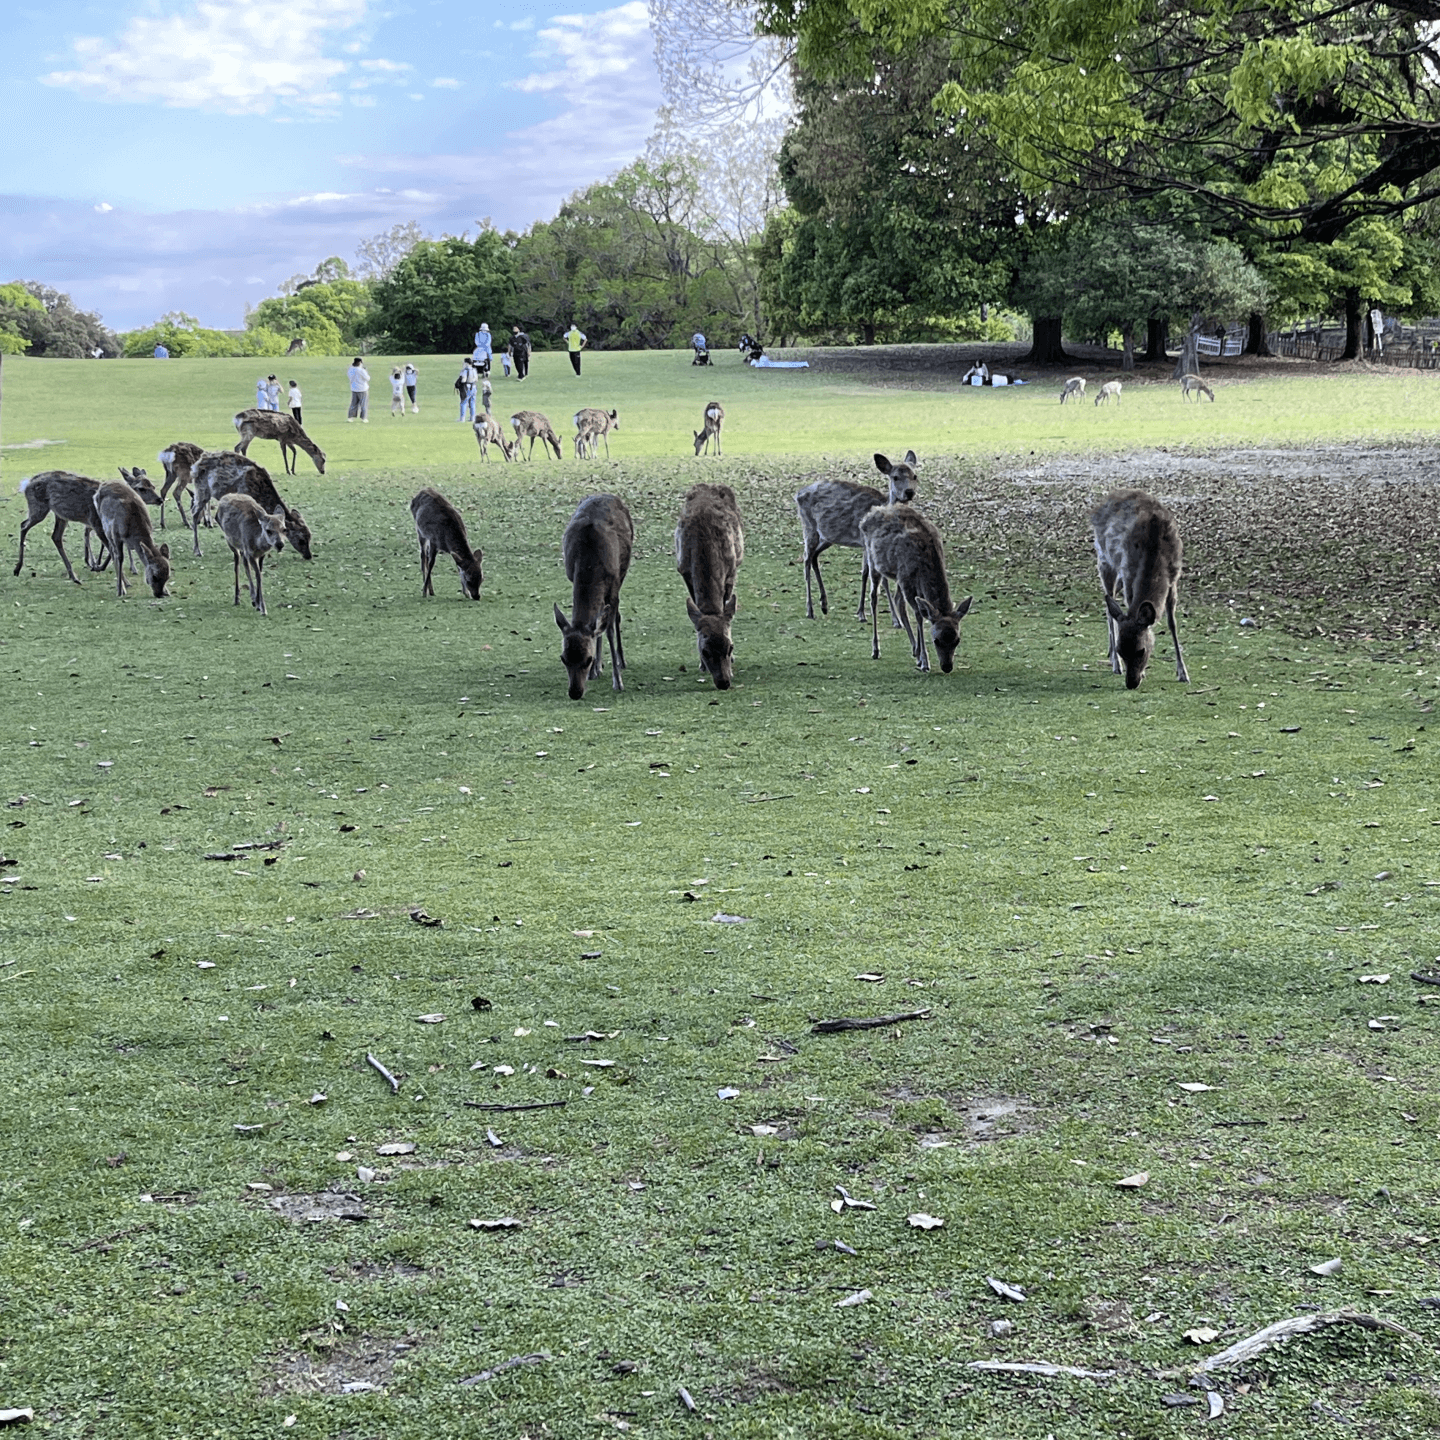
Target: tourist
{"x": 520, "y": 350}
{"x": 295, "y": 399}
{"x": 359, "y": 392}
{"x": 575, "y": 342}
{"x": 397, "y": 392}
{"x": 412, "y": 378}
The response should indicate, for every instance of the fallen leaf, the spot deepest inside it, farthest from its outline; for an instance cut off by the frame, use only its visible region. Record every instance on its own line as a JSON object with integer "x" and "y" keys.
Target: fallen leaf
{"x": 396, "y": 1147}
{"x": 12, "y": 1417}
{"x": 434, "y": 1019}
{"x": 494, "y": 1139}
{"x": 1194, "y": 1087}
{"x": 521, "y": 1030}
{"x": 421, "y": 918}
{"x": 1133, "y": 1182}
{"x": 763, "y": 1130}
{"x": 204, "y": 964}
{"x": 1004, "y": 1291}
{"x": 1326, "y": 1268}
{"x": 922, "y": 1221}
{"x": 1201, "y": 1335}
{"x": 1373, "y": 980}
{"x": 503, "y": 1069}
{"x": 858, "y": 1298}
{"x": 507, "y": 1223}
{"x": 318, "y": 1098}
{"x": 871, "y": 979}
{"x": 364, "y": 1173}
{"x": 721, "y": 918}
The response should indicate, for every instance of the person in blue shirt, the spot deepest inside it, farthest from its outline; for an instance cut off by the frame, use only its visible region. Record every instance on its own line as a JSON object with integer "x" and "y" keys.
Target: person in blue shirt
{"x": 161, "y": 353}
{"x": 483, "y": 350}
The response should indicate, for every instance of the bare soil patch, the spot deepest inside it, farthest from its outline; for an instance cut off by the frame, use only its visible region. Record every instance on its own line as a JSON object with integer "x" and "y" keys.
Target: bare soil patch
{"x": 355, "y": 1365}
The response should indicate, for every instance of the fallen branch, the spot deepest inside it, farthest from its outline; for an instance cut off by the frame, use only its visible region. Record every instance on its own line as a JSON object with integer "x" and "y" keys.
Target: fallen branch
{"x": 1283, "y": 1330}
{"x": 1038, "y": 1367}
{"x": 385, "y": 1074}
{"x": 484, "y": 1375}
{"x": 531, "y": 1105}
{"x": 873, "y": 1022}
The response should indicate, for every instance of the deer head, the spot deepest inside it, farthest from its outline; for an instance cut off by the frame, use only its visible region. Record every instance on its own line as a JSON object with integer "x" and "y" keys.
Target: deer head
{"x": 1134, "y": 638}
{"x": 944, "y": 629}
{"x": 580, "y": 648}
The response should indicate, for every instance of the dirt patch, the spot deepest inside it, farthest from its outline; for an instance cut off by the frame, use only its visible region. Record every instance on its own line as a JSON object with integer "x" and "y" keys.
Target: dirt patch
{"x": 355, "y": 1365}
{"x": 995, "y": 1117}
{"x": 327, "y": 1205}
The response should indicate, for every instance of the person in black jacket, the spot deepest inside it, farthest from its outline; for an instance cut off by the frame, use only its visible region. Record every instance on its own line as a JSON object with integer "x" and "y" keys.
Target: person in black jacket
{"x": 520, "y": 351}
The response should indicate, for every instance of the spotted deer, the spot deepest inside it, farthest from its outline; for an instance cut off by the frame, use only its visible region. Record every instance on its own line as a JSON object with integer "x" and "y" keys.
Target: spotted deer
{"x": 1074, "y": 389}
{"x": 1139, "y": 556}
{"x": 121, "y": 516}
{"x": 276, "y": 425}
{"x": 1109, "y": 391}
{"x": 1194, "y": 385}
{"x": 709, "y": 546}
{"x": 531, "y": 425}
{"x": 901, "y": 545}
{"x": 177, "y": 460}
{"x": 596, "y": 547}
{"x": 439, "y": 529}
{"x": 592, "y": 426}
{"x": 224, "y": 472}
{"x": 487, "y": 433}
{"x": 714, "y": 419}
{"x": 71, "y": 500}
{"x": 830, "y": 514}
{"x": 252, "y": 533}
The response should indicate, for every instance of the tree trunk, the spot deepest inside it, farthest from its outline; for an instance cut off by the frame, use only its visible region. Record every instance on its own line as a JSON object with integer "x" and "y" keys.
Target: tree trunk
{"x": 1127, "y": 332}
{"x": 1258, "y": 342}
{"x": 1189, "y": 361}
{"x": 867, "y": 332}
{"x": 984, "y": 312}
{"x": 1354, "y": 332}
{"x": 1047, "y": 348}
{"x": 1157, "y": 338}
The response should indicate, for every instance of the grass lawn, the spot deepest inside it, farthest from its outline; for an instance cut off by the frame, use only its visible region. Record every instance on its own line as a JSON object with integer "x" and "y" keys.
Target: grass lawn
{"x": 1098, "y": 896}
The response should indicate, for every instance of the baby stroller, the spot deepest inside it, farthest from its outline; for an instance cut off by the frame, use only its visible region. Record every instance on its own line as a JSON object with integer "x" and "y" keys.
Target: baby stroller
{"x": 701, "y": 348}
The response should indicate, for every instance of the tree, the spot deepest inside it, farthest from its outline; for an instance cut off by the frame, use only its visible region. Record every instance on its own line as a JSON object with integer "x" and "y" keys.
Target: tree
{"x": 330, "y": 316}
{"x": 381, "y": 253}
{"x": 13, "y": 299}
{"x": 52, "y": 326}
{"x": 437, "y": 295}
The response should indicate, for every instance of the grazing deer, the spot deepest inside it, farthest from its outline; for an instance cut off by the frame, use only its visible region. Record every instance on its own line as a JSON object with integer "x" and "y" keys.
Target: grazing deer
{"x": 439, "y": 528}
{"x": 709, "y": 546}
{"x": 276, "y": 425}
{"x": 1074, "y": 388}
{"x": 830, "y": 514}
{"x": 487, "y": 433}
{"x": 253, "y": 533}
{"x": 1139, "y": 555}
{"x": 1193, "y": 383}
{"x": 71, "y": 499}
{"x": 592, "y": 426}
{"x": 1109, "y": 391}
{"x": 177, "y": 461}
{"x": 121, "y": 516}
{"x": 903, "y": 546}
{"x": 532, "y": 425}
{"x": 223, "y": 472}
{"x": 596, "y": 548}
{"x": 714, "y": 419}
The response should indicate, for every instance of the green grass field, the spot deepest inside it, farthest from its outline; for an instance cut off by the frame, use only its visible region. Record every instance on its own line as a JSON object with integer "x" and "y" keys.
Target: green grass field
{"x": 1098, "y": 896}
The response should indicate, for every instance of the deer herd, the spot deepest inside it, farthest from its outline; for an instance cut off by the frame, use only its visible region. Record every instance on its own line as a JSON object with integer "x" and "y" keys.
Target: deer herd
{"x": 1137, "y": 542}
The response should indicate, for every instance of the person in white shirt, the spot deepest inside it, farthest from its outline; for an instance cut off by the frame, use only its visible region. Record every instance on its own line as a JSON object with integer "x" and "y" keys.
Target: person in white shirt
{"x": 359, "y": 392}
{"x": 296, "y": 399}
{"x": 465, "y": 386}
{"x": 262, "y": 397}
{"x": 412, "y": 379}
{"x": 272, "y": 393}
{"x": 397, "y": 392}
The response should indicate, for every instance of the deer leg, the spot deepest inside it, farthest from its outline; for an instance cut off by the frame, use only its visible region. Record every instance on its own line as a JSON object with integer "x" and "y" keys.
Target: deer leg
{"x": 259, "y": 563}
{"x": 894, "y": 623}
{"x": 617, "y": 655}
{"x": 428, "y": 556}
{"x": 57, "y": 535}
{"x": 117, "y": 550}
{"x": 26, "y": 526}
{"x": 195, "y": 508}
{"x": 874, "y": 622}
{"x": 619, "y": 647}
{"x": 1181, "y": 673}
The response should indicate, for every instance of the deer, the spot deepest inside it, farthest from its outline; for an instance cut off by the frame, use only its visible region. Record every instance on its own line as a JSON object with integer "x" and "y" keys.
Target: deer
{"x": 439, "y": 528}
{"x": 223, "y": 472}
{"x": 276, "y": 425}
{"x": 592, "y": 426}
{"x": 253, "y": 533}
{"x": 596, "y": 547}
{"x": 714, "y": 418}
{"x": 1109, "y": 391}
{"x": 903, "y": 546}
{"x": 830, "y": 514}
{"x": 177, "y": 460}
{"x": 532, "y": 425}
{"x": 1139, "y": 554}
{"x": 1194, "y": 384}
{"x": 121, "y": 516}
{"x": 1074, "y": 388}
{"x": 709, "y": 546}
{"x": 71, "y": 499}
{"x": 488, "y": 433}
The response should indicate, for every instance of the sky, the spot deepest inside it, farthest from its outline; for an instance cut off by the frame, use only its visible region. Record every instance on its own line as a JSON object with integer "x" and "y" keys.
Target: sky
{"x": 193, "y": 154}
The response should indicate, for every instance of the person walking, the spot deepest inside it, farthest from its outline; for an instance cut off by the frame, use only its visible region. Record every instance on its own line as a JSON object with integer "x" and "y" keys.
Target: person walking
{"x": 272, "y": 393}
{"x": 359, "y": 392}
{"x": 520, "y": 349}
{"x": 575, "y": 341}
{"x": 296, "y": 399}
{"x": 487, "y": 392}
{"x": 397, "y": 392}
{"x": 412, "y": 379}
{"x": 262, "y": 396}
{"x": 465, "y": 388}
{"x": 483, "y": 349}
{"x": 505, "y": 360}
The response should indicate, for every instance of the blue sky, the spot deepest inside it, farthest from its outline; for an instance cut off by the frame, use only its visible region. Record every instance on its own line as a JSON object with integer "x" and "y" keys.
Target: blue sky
{"x": 192, "y": 154}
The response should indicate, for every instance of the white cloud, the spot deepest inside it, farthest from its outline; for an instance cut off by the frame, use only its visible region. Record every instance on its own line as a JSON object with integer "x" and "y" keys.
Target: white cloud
{"x": 444, "y": 82}
{"x": 591, "y": 47}
{"x": 242, "y": 59}
{"x": 103, "y": 207}
{"x": 388, "y": 67}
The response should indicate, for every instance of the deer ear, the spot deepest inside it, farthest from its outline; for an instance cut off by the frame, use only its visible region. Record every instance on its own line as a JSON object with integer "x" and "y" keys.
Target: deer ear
{"x": 963, "y": 608}
{"x": 1146, "y": 613}
{"x": 910, "y": 458}
{"x": 882, "y": 464}
{"x": 560, "y": 619}
{"x": 696, "y": 615}
{"x": 1113, "y": 606}
{"x": 924, "y": 608}
{"x": 165, "y": 551}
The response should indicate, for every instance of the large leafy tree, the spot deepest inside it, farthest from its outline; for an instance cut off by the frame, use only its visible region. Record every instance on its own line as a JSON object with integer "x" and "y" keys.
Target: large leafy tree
{"x": 437, "y": 295}
{"x": 49, "y": 324}
{"x": 1281, "y": 124}
{"x": 329, "y": 310}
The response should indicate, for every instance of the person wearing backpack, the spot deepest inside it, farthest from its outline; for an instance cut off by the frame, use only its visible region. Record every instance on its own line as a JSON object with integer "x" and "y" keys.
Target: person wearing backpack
{"x": 520, "y": 351}
{"x": 465, "y": 389}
